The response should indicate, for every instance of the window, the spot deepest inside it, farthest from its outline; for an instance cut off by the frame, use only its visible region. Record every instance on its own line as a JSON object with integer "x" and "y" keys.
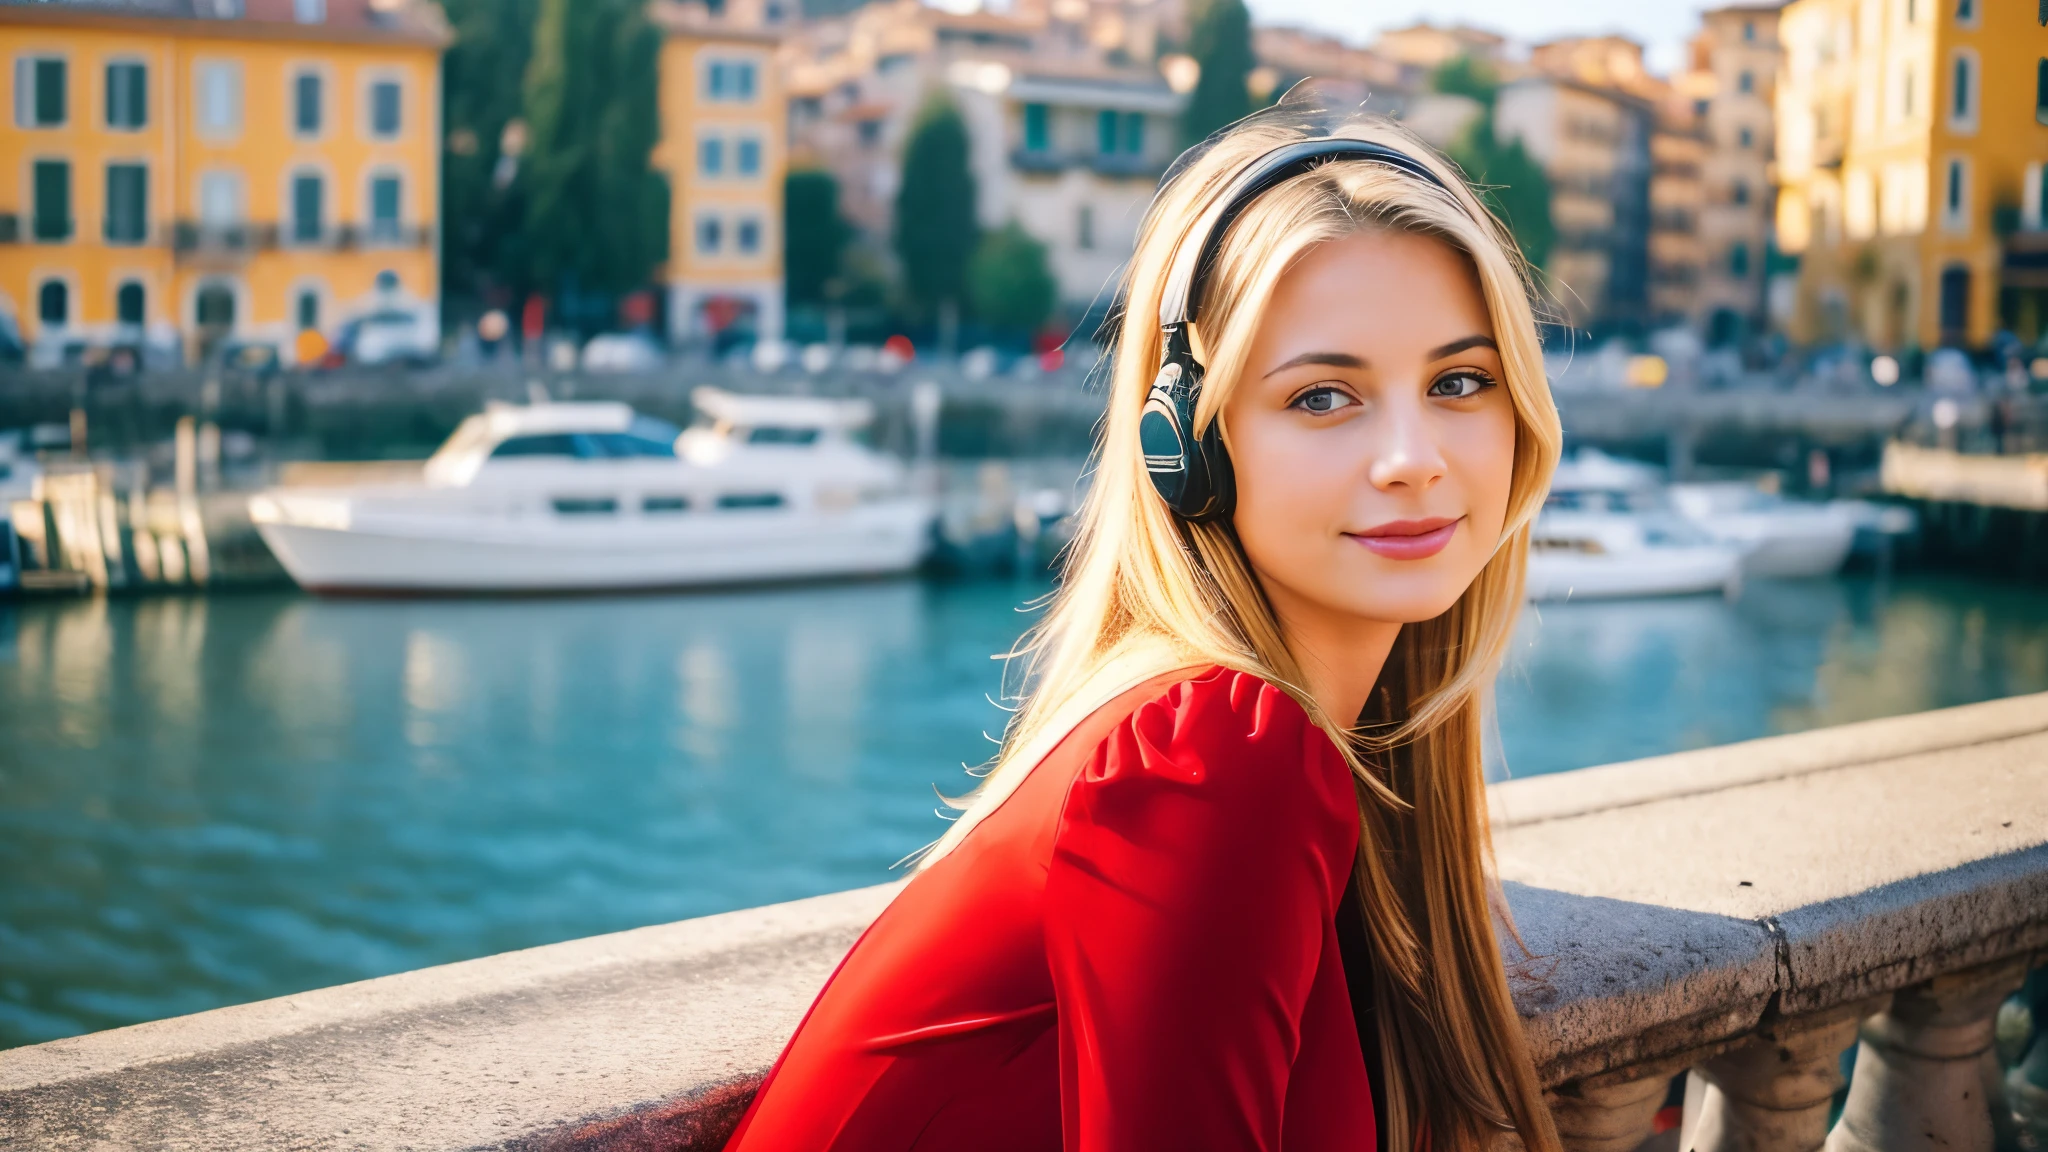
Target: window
{"x": 555, "y": 444}
{"x": 1962, "y": 107}
{"x": 2041, "y": 91}
{"x": 747, "y": 156}
{"x": 307, "y": 223}
{"x": 52, "y": 210}
{"x": 1119, "y": 132}
{"x": 384, "y": 197}
{"x": 655, "y": 505}
{"x": 127, "y": 219}
{"x": 1746, "y": 82}
{"x": 127, "y": 95}
{"x": 384, "y": 109}
{"x": 585, "y": 505}
{"x": 710, "y": 234}
{"x": 1738, "y": 261}
{"x": 1749, "y": 31}
{"x": 1740, "y": 192}
{"x": 220, "y": 199}
{"x": 710, "y": 156}
{"x": 1744, "y": 137}
{"x": 1955, "y": 302}
{"x": 739, "y": 500}
{"x": 53, "y": 304}
{"x": 870, "y": 133}
{"x": 220, "y": 98}
{"x": 1084, "y": 227}
{"x": 1699, "y": 108}
{"x": 38, "y": 92}
{"x": 1966, "y": 13}
{"x": 1038, "y": 123}
{"x": 309, "y": 11}
{"x": 1912, "y": 11}
{"x": 1906, "y": 94}
{"x": 748, "y": 236}
{"x": 129, "y": 300}
{"x": 730, "y": 80}
{"x": 308, "y": 309}
{"x": 1955, "y": 196}
{"x": 307, "y": 111}
{"x": 1106, "y": 137}
{"x": 1134, "y": 133}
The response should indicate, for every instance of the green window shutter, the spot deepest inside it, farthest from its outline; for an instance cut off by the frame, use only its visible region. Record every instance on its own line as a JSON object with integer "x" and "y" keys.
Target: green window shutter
{"x": 49, "y": 90}
{"x": 127, "y": 204}
{"x": 1105, "y": 132}
{"x": 306, "y": 222}
{"x": 52, "y": 200}
{"x": 1038, "y": 132}
{"x": 306, "y": 104}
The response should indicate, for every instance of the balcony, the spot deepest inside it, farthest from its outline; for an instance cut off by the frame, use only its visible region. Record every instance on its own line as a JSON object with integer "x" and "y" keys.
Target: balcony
{"x": 234, "y": 244}
{"x": 1744, "y": 913}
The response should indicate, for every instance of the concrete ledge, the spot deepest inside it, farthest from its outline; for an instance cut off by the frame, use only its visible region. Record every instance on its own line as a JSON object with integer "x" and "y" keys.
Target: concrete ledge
{"x": 1675, "y": 905}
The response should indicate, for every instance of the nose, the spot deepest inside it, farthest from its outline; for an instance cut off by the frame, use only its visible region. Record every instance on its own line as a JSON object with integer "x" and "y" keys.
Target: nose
{"x": 1407, "y": 453}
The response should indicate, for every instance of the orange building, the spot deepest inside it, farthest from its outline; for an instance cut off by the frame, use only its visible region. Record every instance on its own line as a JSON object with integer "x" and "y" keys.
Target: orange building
{"x": 192, "y": 172}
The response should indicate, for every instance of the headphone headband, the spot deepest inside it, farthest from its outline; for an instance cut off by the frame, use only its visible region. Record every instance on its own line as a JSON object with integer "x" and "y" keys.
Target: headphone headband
{"x": 1191, "y": 262}
{"x": 1193, "y": 473}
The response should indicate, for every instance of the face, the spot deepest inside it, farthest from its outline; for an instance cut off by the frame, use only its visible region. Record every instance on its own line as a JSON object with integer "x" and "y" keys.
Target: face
{"x": 1372, "y": 435}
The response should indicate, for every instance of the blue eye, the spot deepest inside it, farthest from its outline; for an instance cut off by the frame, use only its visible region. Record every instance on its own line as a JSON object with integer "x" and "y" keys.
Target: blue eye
{"x": 1322, "y": 400}
{"x": 1460, "y": 385}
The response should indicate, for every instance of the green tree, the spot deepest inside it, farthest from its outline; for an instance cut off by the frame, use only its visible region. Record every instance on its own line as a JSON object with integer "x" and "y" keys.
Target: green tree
{"x": 1510, "y": 180}
{"x": 935, "y": 223}
{"x": 1009, "y": 281}
{"x": 1220, "y": 40}
{"x": 596, "y": 216}
{"x": 481, "y": 213}
{"x": 814, "y": 235}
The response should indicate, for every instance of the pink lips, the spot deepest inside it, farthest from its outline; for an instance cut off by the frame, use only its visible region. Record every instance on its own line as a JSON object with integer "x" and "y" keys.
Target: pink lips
{"x": 1408, "y": 539}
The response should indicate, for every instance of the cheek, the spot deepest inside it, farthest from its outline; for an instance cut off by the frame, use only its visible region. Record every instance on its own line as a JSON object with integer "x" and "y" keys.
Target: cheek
{"x": 1485, "y": 460}
{"x": 1291, "y": 486}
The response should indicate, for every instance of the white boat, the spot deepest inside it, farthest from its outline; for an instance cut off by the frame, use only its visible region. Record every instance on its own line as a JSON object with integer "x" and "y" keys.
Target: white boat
{"x": 1779, "y": 537}
{"x": 1605, "y": 555}
{"x": 592, "y": 496}
{"x": 1605, "y": 533}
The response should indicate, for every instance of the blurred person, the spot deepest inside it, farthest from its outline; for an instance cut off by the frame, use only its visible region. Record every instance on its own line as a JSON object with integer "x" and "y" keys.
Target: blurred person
{"x": 1227, "y": 884}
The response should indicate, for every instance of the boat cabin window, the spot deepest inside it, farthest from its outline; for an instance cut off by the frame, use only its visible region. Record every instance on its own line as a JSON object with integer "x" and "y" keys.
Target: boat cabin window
{"x": 769, "y": 434}
{"x": 555, "y": 444}
{"x": 626, "y": 445}
{"x": 751, "y": 500}
{"x": 585, "y": 505}
{"x": 657, "y": 505}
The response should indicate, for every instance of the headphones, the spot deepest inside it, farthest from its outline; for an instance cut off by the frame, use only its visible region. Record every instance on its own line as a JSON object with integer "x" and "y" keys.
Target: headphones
{"x": 1193, "y": 473}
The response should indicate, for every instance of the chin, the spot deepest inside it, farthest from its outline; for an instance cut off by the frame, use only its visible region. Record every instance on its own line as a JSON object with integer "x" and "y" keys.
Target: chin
{"x": 1406, "y": 597}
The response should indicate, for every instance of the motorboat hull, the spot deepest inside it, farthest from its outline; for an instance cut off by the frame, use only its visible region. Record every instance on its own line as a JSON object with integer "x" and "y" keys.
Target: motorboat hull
{"x": 1559, "y": 574}
{"x": 447, "y": 557}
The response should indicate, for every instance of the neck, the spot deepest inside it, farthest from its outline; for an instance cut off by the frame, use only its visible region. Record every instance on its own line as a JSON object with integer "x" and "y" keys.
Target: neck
{"x": 1341, "y": 655}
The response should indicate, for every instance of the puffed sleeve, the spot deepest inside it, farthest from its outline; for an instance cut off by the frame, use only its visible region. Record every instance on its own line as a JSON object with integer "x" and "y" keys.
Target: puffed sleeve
{"x": 1201, "y": 853}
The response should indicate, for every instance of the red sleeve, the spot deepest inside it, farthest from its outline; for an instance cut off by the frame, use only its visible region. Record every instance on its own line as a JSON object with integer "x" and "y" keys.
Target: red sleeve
{"x": 1199, "y": 862}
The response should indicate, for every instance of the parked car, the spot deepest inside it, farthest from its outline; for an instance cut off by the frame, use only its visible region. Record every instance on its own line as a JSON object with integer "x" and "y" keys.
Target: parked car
{"x": 388, "y": 336}
{"x": 621, "y": 352}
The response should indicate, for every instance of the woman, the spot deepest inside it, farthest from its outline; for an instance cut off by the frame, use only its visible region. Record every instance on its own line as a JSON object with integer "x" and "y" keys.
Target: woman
{"x": 1226, "y": 885}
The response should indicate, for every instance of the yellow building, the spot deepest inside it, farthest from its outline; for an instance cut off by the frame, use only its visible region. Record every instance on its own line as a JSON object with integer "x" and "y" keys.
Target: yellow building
{"x": 209, "y": 170}
{"x": 723, "y": 150}
{"x": 1911, "y": 135}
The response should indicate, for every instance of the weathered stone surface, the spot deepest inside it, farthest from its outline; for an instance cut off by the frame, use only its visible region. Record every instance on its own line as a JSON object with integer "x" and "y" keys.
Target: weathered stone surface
{"x": 1674, "y": 906}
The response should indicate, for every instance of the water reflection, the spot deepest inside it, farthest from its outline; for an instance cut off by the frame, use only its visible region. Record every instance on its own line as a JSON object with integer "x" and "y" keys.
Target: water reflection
{"x": 210, "y": 801}
{"x": 1593, "y": 683}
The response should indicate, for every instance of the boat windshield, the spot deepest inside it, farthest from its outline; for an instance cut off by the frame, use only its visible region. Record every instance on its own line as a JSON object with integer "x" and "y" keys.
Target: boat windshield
{"x": 646, "y": 438}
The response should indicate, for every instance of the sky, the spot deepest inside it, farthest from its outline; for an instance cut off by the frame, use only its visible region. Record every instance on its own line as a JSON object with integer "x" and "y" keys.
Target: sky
{"x": 1663, "y": 26}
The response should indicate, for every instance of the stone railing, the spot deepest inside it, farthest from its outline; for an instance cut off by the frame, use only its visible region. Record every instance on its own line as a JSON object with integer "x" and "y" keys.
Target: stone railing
{"x": 1745, "y": 912}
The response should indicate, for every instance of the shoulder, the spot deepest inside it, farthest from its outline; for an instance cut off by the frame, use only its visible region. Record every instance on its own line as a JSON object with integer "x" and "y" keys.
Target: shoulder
{"x": 1229, "y": 734}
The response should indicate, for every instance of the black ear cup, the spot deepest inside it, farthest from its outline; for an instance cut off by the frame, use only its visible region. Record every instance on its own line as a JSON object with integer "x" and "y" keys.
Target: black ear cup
{"x": 1192, "y": 474}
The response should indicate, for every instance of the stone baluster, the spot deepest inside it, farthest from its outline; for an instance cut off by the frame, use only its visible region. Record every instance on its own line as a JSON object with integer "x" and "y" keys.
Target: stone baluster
{"x": 1772, "y": 1094}
{"x": 1919, "y": 1081}
{"x": 1613, "y": 1117}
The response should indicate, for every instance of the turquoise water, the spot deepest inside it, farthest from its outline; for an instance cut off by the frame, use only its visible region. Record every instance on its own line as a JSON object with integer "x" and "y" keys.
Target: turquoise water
{"x": 209, "y": 801}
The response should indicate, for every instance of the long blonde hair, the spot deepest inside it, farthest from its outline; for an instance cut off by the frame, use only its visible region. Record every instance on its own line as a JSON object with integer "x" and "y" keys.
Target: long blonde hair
{"x": 1144, "y": 592}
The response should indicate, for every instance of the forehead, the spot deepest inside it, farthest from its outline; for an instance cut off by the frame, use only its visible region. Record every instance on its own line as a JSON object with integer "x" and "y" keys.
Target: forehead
{"x": 1384, "y": 288}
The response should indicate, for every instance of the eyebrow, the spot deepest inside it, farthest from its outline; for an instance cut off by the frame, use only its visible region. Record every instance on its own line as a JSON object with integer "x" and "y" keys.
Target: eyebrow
{"x": 1456, "y": 346}
{"x": 1329, "y": 359}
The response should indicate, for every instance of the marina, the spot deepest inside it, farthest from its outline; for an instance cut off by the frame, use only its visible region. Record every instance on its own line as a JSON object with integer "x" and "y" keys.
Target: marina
{"x": 206, "y": 800}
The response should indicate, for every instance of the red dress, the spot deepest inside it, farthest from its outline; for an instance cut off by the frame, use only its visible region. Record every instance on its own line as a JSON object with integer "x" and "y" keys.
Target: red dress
{"x": 1137, "y": 950}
